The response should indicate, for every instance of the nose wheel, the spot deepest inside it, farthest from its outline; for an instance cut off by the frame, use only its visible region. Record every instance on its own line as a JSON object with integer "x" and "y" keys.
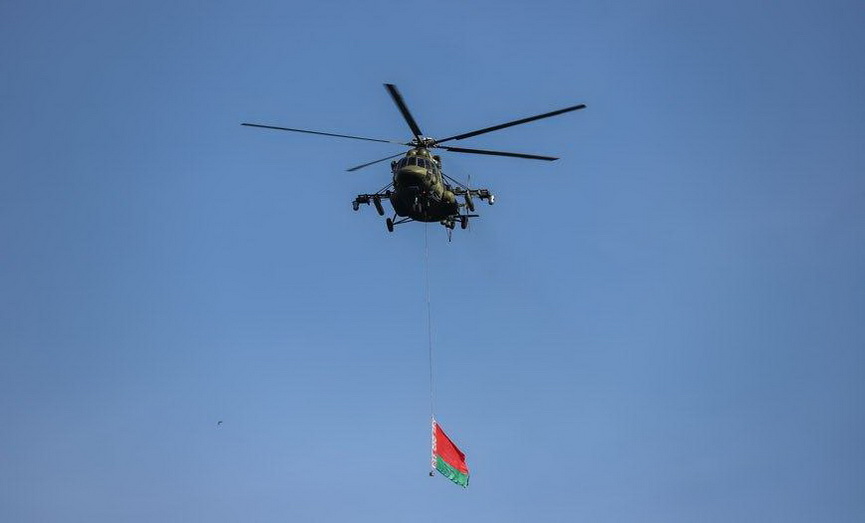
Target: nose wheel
{"x": 393, "y": 222}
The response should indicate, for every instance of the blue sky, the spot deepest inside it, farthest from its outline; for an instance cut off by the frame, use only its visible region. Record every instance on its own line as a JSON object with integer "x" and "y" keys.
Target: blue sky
{"x": 664, "y": 325}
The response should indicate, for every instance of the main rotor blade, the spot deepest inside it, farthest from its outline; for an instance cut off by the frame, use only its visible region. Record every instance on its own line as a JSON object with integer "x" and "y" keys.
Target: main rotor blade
{"x": 496, "y": 153}
{"x": 400, "y": 103}
{"x": 511, "y": 124}
{"x": 375, "y": 161}
{"x": 321, "y": 133}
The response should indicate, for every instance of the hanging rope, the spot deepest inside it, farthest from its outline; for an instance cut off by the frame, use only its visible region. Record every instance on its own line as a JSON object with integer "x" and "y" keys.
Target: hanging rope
{"x": 430, "y": 350}
{"x": 429, "y": 320}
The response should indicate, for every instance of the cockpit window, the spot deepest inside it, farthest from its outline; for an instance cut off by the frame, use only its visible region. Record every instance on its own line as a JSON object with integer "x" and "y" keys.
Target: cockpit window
{"x": 417, "y": 160}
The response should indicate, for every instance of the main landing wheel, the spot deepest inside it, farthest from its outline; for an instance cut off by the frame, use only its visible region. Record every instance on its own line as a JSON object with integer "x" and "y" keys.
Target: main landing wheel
{"x": 389, "y": 223}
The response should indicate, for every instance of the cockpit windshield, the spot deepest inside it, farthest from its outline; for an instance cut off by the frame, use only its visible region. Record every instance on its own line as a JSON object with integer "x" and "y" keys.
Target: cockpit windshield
{"x": 418, "y": 161}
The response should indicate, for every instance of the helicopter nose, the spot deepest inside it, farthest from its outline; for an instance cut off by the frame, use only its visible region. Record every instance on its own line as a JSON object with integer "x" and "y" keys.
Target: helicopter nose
{"x": 410, "y": 175}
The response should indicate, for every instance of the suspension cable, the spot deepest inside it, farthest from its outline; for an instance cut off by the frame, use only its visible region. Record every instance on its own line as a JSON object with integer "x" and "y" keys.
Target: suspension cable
{"x": 429, "y": 320}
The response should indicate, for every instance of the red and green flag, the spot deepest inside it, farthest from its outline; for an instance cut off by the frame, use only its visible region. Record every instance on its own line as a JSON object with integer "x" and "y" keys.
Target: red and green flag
{"x": 447, "y": 458}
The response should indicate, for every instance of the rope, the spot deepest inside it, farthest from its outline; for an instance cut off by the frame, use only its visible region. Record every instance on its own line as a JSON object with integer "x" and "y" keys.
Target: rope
{"x": 429, "y": 320}
{"x": 430, "y": 345}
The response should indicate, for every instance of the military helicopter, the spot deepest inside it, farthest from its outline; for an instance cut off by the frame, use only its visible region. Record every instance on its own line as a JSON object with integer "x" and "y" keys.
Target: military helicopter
{"x": 420, "y": 190}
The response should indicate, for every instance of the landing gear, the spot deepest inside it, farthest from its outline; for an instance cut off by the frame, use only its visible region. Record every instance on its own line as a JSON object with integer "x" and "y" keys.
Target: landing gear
{"x": 355, "y": 205}
{"x": 396, "y": 220}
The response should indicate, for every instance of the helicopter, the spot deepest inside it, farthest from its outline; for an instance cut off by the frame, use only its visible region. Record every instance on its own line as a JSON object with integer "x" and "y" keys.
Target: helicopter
{"x": 420, "y": 190}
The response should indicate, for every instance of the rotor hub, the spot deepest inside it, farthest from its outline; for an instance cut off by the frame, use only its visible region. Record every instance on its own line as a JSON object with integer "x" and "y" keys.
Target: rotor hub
{"x": 423, "y": 141}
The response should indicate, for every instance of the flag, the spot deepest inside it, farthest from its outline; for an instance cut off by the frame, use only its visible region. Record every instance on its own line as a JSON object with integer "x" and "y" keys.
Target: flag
{"x": 447, "y": 458}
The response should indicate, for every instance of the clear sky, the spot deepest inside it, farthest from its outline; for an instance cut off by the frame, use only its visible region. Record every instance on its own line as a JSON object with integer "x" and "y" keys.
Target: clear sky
{"x": 666, "y": 325}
